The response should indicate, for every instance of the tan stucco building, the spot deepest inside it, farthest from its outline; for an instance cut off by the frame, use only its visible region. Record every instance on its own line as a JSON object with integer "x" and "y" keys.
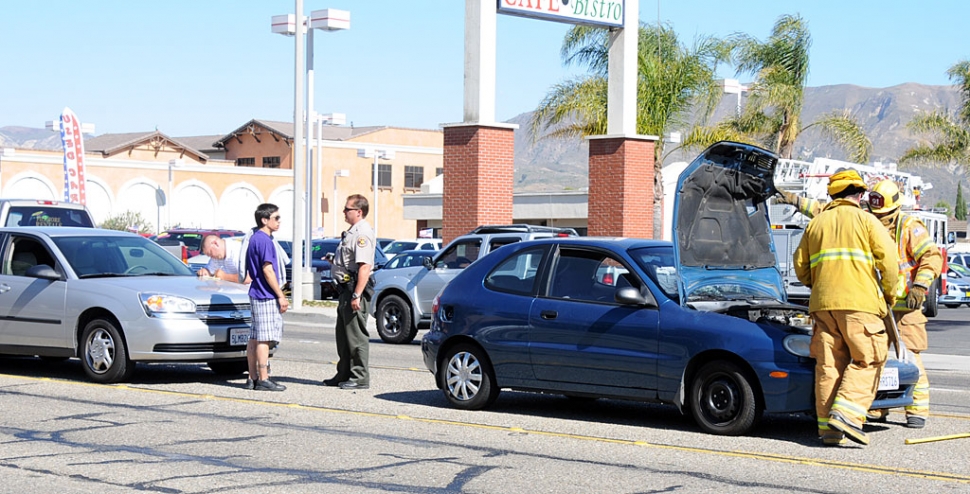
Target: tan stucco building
{"x": 217, "y": 181}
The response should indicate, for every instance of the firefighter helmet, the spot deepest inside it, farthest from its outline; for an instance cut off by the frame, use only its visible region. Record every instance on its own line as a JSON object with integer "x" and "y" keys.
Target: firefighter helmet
{"x": 843, "y": 179}
{"x": 884, "y": 197}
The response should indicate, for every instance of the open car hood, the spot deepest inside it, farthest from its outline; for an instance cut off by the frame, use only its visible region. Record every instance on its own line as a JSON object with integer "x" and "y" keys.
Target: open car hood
{"x": 722, "y": 234}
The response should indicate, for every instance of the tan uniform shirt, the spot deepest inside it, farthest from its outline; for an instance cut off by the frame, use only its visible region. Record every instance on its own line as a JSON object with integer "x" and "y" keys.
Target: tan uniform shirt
{"x": 356, "y": 246}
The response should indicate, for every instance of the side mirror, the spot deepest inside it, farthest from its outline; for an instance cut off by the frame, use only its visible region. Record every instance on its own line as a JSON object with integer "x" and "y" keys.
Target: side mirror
{"x": 428, "y": 263}
{"x": 629, "y": 296}
{"x": 42, "y": 271}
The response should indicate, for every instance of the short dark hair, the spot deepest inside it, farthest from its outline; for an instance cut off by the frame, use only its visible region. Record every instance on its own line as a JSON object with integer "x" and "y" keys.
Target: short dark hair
{"x": 360, "y": 202}
{"x": 848, "y": 191}
{"x": 263, "y": 212}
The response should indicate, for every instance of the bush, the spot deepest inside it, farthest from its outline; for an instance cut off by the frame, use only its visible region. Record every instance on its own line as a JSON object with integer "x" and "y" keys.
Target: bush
{"x": 129, "y": 221}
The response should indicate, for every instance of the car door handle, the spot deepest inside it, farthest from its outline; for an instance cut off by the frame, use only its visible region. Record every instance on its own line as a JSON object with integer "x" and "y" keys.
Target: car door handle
{"x": 548, "y": 314}
{"x": 4, "y": 288}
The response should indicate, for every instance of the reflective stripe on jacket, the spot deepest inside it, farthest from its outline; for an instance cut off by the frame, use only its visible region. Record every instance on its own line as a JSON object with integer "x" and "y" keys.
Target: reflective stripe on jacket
{"x": 838, "y": 258}
{"x": 920, "y": 260}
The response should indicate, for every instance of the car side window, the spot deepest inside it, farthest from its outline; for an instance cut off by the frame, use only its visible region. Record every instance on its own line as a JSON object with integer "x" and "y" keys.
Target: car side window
{"x": 590, "y": 276}
{"x": 460, "y": 255}
{"x": 26, "y": 253}
{"x": 517, "y": 274}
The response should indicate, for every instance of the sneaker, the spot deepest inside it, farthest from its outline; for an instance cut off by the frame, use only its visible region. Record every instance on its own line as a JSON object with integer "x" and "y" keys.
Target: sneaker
{"x": 250, "y": 384}
{"x": 838, "y": 422}
{"x": 267, "y": 385}
{"x": 914, "y": 422}
{"x": 880, "y": 415}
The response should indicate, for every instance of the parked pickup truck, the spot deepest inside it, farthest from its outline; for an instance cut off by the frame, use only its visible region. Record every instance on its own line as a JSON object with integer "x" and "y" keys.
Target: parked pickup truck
{"x": 402, "y": 302}
{"x": 40, "y": 212}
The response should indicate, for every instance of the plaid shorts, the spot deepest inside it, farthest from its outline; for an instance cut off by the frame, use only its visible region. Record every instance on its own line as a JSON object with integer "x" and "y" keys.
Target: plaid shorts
{"x": 267, "y": 320}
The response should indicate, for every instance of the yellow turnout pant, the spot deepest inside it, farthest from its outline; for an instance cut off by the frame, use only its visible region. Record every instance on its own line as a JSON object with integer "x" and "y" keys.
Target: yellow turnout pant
{"x": 849, "y": 348}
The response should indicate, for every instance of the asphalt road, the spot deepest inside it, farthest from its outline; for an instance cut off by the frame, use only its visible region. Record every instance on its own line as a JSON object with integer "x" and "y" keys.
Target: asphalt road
{"x": 180, "y": 428}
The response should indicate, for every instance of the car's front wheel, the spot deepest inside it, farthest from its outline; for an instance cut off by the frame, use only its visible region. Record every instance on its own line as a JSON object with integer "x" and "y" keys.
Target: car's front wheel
{"x": 394, "y": 320}
{"x": 723, "y": 401}
{"x": 103, "y": 353}
{"x": 466, "y": 378}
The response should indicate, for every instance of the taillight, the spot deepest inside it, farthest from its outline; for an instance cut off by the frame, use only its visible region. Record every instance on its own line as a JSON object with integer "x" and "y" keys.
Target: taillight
{"x": 608, "y": 279}
{"x": 434, "y": 305}
{"x": 185, "y": 254}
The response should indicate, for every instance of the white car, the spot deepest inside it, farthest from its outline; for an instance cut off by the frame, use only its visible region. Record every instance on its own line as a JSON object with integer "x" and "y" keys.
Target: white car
{"x": 112, "y": 299}
{"x": 402, "y": 245}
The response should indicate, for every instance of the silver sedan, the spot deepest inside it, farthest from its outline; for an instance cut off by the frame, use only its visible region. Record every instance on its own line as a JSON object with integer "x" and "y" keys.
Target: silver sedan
{"x": 112, "y": 299}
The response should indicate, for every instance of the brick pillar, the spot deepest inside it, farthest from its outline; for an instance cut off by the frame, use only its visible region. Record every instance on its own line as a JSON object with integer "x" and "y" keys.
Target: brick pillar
{"x": 621, "y": 186}
{"x": 478, "y": 177}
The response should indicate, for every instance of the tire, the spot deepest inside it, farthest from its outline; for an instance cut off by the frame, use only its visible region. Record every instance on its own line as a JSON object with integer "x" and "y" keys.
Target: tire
{"x": 722, "y": 400}
{"x": 394, "y": 320}
{"x": 228, "y": 367}
{"x": 931, "y": 307}
{"x": 103, "y": 353}
{"x": 466, "y": 377}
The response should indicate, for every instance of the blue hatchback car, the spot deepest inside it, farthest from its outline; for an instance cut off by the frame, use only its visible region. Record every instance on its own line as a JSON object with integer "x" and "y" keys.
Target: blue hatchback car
{"x": 702, "y": 323}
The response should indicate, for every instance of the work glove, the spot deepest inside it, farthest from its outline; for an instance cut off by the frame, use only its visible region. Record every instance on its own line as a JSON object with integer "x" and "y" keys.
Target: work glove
{"x": 788, "y": 198}
{"x": 916, "y": 296}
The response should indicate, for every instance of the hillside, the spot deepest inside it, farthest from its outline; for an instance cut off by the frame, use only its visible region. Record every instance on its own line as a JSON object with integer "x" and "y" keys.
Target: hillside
{"x": 552, "y": 164}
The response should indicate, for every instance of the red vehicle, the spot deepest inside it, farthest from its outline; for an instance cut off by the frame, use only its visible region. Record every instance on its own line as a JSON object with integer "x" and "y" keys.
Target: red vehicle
{"x": 191, "y": 238}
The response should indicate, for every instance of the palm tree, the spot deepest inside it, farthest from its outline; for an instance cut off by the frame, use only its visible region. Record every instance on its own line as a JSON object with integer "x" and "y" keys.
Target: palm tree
{"x": 949, "y": 134}
{"x": 772, "y": 116}
{"x": 780, "y": 66}
{"x": 673, "y": 80}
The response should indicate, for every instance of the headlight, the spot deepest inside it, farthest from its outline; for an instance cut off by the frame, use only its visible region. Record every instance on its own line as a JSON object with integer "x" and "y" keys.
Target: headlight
{"x": 797, "y": 344}
{"x": 160, "y": 305}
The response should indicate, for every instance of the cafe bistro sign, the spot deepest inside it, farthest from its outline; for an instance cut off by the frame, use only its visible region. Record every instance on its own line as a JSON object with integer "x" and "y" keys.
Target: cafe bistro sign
{"x": 595, "y": 12}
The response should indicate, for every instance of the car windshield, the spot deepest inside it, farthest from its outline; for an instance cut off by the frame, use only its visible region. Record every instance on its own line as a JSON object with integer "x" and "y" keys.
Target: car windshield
{"x": 399, "y": 246}
{"x": 97, "y": 256}
{"x": 658, "y": 263}
{"x": 960, "y": 269}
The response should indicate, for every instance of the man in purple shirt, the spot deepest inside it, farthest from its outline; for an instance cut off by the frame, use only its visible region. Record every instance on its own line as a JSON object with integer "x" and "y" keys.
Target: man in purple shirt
{"x": 266, "y": 298}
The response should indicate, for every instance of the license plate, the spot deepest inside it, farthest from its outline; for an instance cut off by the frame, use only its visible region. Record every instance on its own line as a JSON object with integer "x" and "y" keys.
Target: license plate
{"x": 889, "y": 380}
{"x": 238, "y": 336}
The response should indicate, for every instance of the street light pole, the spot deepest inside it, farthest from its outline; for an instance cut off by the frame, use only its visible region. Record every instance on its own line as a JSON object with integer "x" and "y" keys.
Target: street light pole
{"x": 336, "y": 174}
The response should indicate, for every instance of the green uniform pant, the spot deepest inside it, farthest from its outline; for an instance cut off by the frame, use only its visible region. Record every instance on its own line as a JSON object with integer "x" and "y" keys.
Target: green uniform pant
{"x": 353, "y": 341}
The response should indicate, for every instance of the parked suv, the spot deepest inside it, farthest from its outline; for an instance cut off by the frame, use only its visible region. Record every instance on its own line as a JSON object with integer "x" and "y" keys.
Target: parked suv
{"x": 402, "y": 302}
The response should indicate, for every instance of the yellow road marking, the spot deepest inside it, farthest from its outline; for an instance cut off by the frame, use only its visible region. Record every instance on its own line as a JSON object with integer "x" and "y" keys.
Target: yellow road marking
{"x": 820, "y": 462}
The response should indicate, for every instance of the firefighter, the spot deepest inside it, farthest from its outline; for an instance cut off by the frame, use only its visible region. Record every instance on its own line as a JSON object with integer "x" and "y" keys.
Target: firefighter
{"x": 920, "y": 263}
{"x": 838, "y": 258}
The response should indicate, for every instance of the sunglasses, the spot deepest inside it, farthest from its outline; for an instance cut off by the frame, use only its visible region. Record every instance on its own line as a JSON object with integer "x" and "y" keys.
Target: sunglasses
{"x": 351, "y": 209}
{"x": 275, "y": 218}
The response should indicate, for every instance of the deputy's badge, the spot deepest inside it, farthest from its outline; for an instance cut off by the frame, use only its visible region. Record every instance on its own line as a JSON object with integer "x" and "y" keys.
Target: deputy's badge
{"x": 362, "y": 241}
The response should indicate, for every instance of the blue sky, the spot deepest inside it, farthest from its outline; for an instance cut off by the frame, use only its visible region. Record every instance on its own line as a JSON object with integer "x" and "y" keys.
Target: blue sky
{"x": 207, "y": 66}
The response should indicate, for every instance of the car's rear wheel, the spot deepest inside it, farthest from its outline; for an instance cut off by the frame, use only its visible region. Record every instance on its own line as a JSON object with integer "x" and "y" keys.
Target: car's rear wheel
{"x": 103, "y": 353}
{"x": 723, "y": 401}
{"x": 394, "y": 320}
{"x": 228, "y": 367}
{"x": 466, "y": 378}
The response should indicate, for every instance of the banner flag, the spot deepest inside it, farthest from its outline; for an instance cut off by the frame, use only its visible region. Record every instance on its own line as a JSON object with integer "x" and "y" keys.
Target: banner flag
{"x": 73, "y": 143}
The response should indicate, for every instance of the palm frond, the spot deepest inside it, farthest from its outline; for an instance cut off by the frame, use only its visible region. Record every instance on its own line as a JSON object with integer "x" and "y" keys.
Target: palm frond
{"x": 844, "y": 129}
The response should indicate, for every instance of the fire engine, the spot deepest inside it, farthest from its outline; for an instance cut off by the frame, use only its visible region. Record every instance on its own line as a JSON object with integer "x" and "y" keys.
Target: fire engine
{"x": 810, "y": 179}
